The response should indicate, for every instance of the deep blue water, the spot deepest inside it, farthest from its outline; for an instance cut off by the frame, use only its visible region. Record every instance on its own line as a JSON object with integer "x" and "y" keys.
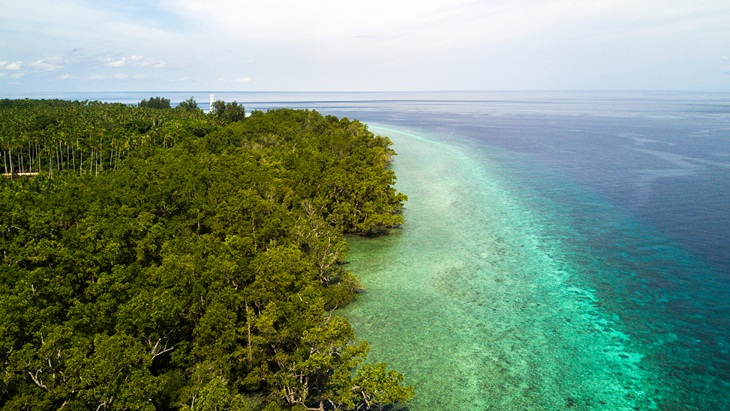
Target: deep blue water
{"x": 638, "y": 185}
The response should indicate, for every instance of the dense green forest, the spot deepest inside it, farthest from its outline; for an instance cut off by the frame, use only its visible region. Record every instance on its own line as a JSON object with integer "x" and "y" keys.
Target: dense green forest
{"x": 166, "y": 258}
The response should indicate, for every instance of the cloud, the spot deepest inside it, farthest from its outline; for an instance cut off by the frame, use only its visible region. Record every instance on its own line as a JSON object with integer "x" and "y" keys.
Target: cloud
{"x": 118, "y": 76}
{"x": 49, "y": 64}
{"x": 116, "y": 63}
{"x": 14, "y": 75}
{"x": 224, "y": 80}
{"x": 11, "y": 66}
{"x": 133, "y": 61}
{"x": 416, "y": 33}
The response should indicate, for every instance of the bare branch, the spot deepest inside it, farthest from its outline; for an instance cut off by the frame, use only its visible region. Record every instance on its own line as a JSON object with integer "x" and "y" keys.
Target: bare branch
{"x": 157, "y": 350}
{"x": 38, "y": 381}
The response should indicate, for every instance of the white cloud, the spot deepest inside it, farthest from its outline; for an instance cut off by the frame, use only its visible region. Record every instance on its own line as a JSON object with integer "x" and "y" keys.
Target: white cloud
{"x": 10, "y": 66}
{"x": 116, "y": 63}
{"x": 224, "y": 80}
{"x": 118, "y": 76}
{"x": 49, "y": 64}
{"x": 133, "y": 61}
{"x": 410, "y": 30}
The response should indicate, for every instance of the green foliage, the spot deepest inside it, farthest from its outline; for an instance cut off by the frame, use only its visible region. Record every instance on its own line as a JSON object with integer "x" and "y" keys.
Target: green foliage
{"x": 216, "y": 395}
{"x": 188, "y": 105}
{"x": 156, "y": 102}
{"x": 52, "y": 137}
{"x": 378, "y": 386}
{"x": 197, "y": 267}
{"x": 226, "y": 113}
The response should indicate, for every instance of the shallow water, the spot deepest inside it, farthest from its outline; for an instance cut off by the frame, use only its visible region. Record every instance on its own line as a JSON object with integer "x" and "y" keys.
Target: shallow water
{"x": 475, "y": 301}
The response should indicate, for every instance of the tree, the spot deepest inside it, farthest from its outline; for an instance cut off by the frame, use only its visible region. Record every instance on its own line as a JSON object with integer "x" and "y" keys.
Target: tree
{"x": 156, "y": 102}
{"x": 319, "y": 376}
{"x": 227, "y": 113}
{"x": 188, "y": 105}
{"x": 375, "y": 387}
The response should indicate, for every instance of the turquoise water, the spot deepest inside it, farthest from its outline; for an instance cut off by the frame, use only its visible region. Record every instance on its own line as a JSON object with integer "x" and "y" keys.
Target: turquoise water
{"x": 492, "y": 297}
{"x": 473, "y": 300}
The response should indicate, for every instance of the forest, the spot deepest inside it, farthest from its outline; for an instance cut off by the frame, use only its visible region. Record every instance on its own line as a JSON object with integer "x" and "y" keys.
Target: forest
{"x": 160, "y": 258}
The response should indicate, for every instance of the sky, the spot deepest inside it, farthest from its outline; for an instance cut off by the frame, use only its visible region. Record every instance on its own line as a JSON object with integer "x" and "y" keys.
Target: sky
{"x": 373, "y": 45}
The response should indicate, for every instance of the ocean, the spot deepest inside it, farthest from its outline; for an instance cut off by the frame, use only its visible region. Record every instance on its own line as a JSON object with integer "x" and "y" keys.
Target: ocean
{"x": 562, "y": 250}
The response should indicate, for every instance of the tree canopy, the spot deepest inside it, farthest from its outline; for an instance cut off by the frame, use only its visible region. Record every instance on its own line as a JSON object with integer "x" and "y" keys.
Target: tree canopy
{"x": 188, "y": 105}
{"x": 227, "y": 112}
{"x": 155, "y": 102}
{"x": 164, "y": 259}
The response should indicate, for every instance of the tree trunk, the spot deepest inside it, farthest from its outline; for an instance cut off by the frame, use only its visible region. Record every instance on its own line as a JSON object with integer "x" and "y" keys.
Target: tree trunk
{"x": 101, "y": 155}
{"x": 248, "y": 324}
